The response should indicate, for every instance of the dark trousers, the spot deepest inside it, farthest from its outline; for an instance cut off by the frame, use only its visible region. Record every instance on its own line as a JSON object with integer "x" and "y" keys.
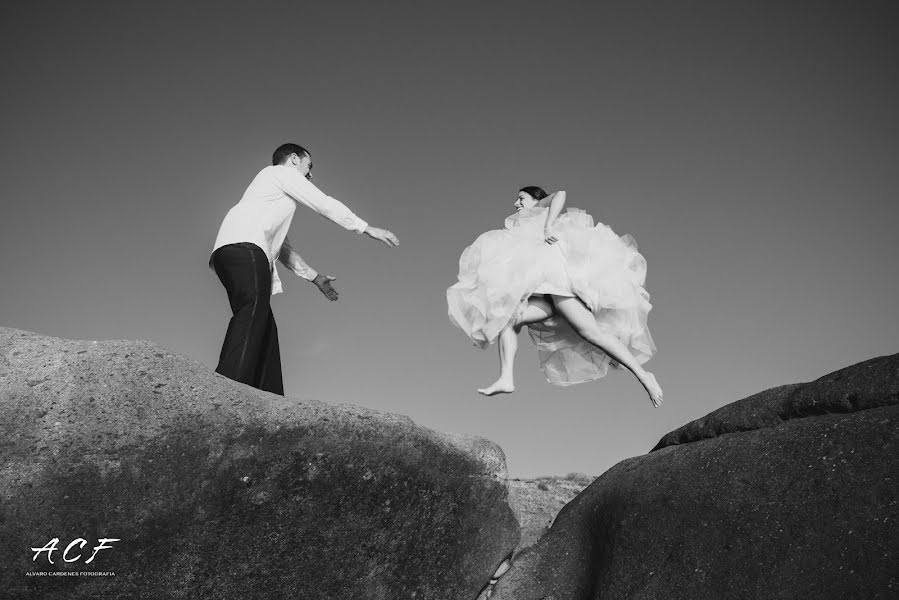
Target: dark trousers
{"x": 250, "y": 353}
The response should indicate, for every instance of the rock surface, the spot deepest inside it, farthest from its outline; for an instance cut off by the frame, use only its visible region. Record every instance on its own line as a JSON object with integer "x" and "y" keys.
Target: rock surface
{"x": 217, "y": 490}
{"x": 870, "y": 384}
{"x": 790, "y": 493}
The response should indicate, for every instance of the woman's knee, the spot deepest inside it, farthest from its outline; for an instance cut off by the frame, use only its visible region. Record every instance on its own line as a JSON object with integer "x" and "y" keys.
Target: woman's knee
{"x": 538, "y": 309}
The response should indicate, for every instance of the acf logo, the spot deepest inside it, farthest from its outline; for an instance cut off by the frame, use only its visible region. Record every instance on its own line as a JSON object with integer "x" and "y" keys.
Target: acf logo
{"x": 51, "y": 546}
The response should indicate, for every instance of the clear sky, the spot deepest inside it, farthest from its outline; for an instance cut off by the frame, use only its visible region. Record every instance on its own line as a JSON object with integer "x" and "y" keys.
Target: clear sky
{"x": 751, "y": 148}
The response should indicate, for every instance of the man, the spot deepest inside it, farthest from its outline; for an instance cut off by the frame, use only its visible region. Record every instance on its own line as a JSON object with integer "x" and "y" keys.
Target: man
{"x": 252, "y": 236}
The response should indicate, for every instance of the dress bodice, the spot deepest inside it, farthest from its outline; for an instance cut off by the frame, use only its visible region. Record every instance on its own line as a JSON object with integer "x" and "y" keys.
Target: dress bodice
{"x": 527, "y": 217}
{"x": 535, "y": 218}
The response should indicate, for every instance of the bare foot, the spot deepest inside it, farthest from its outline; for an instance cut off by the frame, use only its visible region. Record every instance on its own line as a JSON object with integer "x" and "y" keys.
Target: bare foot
{"x": 653, "y": 389}
{"x": 500, "y": 386}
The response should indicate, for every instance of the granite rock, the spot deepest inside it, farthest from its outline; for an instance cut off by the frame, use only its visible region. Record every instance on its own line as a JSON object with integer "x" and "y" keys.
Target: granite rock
{"x": 791, "y": 493}
{"x": 218, "y": 490}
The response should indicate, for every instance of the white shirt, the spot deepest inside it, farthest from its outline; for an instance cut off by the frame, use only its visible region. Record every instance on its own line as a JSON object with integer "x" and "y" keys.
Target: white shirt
{"x": 264, "y": 214}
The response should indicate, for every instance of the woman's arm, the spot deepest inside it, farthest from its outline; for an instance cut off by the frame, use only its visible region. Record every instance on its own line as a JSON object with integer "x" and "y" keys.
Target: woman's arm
{"x": 557, "y": 202}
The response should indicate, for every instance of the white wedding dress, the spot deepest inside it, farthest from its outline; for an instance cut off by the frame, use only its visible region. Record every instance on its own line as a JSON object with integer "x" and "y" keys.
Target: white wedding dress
{"x": 504, "y": 267}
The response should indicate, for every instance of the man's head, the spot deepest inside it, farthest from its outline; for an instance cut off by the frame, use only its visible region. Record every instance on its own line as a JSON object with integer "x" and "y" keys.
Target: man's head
{"x": 295, "y": 156}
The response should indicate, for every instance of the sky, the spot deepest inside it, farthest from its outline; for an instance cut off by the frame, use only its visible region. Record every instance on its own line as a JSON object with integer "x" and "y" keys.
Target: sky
{"x": 751, "y": 148}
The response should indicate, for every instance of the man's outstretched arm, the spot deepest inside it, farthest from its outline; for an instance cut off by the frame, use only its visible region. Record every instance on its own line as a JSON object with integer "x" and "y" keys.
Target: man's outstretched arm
{"x": 291, "y": 259}
{"x": 304, "y": 191}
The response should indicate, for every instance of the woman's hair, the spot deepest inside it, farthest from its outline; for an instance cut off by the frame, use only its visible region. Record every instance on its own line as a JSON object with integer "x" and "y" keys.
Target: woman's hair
{"x": 535, "y": 192}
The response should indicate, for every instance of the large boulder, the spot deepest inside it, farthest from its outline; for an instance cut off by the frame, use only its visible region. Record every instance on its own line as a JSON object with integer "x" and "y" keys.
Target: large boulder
{"x": 790, "y": 493}
{"x": 218, "y": 490}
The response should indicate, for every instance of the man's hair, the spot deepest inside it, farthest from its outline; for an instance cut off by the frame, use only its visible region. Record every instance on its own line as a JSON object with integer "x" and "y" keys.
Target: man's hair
{"x": 285, "y": 150}
{"x": 535, "y": 192}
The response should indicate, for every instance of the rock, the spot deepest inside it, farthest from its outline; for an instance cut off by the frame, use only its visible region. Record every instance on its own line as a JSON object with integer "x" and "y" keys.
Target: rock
{"x": 218, "y": 490}
{"x": 790, "y": 493}
{"x": 870, "y": 384}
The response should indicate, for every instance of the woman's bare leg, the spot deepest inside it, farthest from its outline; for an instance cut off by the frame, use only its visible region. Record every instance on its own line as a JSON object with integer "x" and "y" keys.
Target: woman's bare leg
{"x": 538, "y": 309}
{"x": 584, "y": 323}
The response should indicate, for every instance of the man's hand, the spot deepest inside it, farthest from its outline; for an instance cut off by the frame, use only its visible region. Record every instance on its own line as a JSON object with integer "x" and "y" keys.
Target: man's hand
{"x": 323, "y": 282}
{"x": 382, "y": 235}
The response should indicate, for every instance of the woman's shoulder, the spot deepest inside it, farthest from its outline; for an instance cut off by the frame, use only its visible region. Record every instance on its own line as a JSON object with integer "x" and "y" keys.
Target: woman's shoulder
{"x": 535, "y": 211}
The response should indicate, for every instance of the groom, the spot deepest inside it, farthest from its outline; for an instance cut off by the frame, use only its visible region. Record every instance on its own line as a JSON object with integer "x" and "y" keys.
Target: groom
{"x": 254, "y": 235}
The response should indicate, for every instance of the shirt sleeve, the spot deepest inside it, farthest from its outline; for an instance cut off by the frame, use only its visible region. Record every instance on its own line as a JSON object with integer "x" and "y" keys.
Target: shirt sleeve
{"x": 291, "y": 259}
{"x": 302, "y": 190}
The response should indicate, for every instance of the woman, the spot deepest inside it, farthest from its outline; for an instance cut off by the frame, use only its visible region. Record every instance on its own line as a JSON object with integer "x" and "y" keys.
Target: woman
{"x": 577, "y": 287}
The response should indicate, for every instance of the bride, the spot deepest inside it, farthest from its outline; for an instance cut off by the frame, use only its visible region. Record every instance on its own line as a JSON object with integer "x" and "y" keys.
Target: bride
{"x": 577, "y": 287}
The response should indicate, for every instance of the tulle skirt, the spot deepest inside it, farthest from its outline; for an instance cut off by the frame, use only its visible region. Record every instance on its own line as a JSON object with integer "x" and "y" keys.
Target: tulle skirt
{"x": 503, "y": 268}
